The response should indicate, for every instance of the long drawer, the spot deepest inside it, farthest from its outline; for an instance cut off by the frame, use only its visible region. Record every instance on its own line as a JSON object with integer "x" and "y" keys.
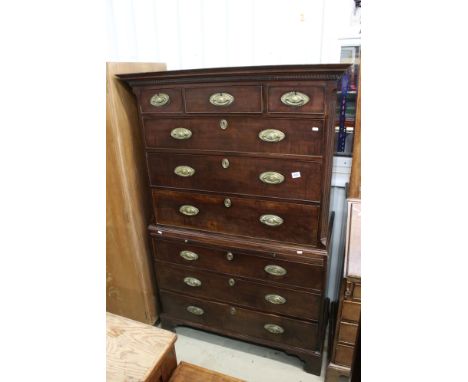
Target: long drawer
{"x": 241, "y": 134}
{"x": 279, "y": 221}
{"x": 248, "y": 322}
{"x": 286, "y": 178}
{"x": 234, "y": 290}
{"x": 233, "y": 262}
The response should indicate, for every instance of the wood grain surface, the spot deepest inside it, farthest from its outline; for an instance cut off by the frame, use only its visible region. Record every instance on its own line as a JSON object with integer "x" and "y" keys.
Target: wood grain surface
{"x": 136, "y": 351}
{"x": 129, "y": 281}
{"x": 241, "y": 218}
{"x": 301, "y": 136}
{"x": 355, "y": 181}
{"x": 213, "y": 188}
{"x": 186, "y": 372}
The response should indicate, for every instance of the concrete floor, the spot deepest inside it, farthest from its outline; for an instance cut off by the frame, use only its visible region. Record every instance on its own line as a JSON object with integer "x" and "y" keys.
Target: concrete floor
{"x": 240, "y": 359}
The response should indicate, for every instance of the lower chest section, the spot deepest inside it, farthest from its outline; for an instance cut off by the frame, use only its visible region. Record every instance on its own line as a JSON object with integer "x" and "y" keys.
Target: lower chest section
{"x": 257, "y": 295}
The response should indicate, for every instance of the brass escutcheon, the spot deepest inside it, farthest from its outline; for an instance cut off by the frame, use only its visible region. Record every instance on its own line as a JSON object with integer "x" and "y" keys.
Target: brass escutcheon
{"x": 223, "y": 124}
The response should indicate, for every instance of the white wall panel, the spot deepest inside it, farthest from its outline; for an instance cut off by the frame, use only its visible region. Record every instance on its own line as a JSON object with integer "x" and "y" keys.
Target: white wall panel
{"x": 190, "y": 34}
{"x": 124, "y": 29}
{"x": 167, "y": 31}
{"x": 145, "y": 30}
{"x": 215, "y": 32}
{"x": 240, "y": 31}
{"x": 212, "y": 33}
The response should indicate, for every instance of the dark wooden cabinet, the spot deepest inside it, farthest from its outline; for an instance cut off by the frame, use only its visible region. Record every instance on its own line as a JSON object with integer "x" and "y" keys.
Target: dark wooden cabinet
{"x": 345, "y": 326}
{"x": 239, "y": 163}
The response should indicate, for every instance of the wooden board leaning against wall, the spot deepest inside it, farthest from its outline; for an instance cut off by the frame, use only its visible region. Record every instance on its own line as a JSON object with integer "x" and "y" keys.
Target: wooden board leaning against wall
{"x": 130, "y": 289}
{"x": 355, "y": 181}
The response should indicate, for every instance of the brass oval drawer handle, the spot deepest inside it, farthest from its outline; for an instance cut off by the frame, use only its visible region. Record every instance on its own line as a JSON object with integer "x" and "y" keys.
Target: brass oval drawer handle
{"x": 184, "y": 171}
{"x": 229, "y": 256}
{"x": 221, "y": 99}
{"x": 227, "y": 202}
{"x": 271, "y": 177}
{"x": 275, "y": 329}
{"x": 189, "y": 210}
{"x": 181, "y": 133}
{"x": 295, "y": 99}
{"x": 188, "y": 255}
{"x": 275, "y": 299}
{"x": 275, "y": 270}
{"x": 192, "y": 281}
{"x": 271, "y": 220}
{"x": 195, "y": 310}
{"x": 225, "y": 163}
{"x": 271, "y": 135}
{"x": 231, "y": 282}
{"x": 160, "y": 99}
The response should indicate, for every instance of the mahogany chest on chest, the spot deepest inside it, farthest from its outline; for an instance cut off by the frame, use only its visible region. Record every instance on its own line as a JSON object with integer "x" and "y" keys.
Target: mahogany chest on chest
{"x": 239, "y": 165}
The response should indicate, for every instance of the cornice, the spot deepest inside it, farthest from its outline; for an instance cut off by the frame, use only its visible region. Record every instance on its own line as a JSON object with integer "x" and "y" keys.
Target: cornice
{"x": 239, "y": 74}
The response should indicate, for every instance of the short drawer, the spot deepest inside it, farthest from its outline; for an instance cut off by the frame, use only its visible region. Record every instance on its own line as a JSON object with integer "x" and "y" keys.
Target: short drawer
{"x": 296, "y": 98}
{"x": 357, "y": 292}
{"x": 161, "y": 100}
{"x": 224, "y": 99}
{"x": 279, "y": 221}
{"x": 344, "y": 355}
{"x": 269, "y": 135}
{"x": 233, "y": 262}
{"x": 286, "y": 178}
{"x": 233, "y": 319}
{"x": 234, "y": 290}
{"x": 351, "y": 311}
{"x": 347, "y": 333}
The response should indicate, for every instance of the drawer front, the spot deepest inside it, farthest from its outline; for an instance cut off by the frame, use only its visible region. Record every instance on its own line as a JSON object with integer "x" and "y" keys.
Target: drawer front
{"x": 351, "y": 311}
{"x": 240, "y": 264}
{"x": 352, "y": 291}
{"x": 347, "y": 333}
{"x": 279, "y": 221}
{"x": 278, "y": 136}
{"x": 344, "y": 355}
{"x": 291, "y": 179}
{"x": 162, "y": 100}
{"x": 233, "y": 290}
{"x": 278, "y": 329}
{"x": 296, "y": 98}
{"x": 224, "y": 99}
{"x": 357, "y": 292}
